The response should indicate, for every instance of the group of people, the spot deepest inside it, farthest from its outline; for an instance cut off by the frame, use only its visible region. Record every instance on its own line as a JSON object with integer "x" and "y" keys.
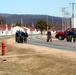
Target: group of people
{"x": 21, "y": 36}
{"x": 71, "y": 35}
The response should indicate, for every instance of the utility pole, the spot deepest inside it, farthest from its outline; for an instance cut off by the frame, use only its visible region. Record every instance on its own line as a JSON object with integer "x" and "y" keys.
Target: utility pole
{"x": 52, "y": 21}
{"x": 47, "y": 21}
{"x": 21, "y": 22}
{"x": 73, "y": 9}
{"x": 67, "y": 19}
{"x": 72, "y": 19}
{"x": 63, "y": 17}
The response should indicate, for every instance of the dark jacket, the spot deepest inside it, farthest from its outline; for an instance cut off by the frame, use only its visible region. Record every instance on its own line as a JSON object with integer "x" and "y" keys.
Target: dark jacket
{"x": 48, "y": 33}
{"x": 25, "y": 34}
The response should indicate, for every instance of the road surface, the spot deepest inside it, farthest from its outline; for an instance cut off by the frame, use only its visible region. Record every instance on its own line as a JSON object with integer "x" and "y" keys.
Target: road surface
{"x": 38, "y": 40}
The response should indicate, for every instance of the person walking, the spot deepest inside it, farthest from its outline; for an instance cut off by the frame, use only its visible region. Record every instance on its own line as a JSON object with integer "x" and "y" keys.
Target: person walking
{"x": 70, "y": 35}
{"x": 19, "y": 36}
{"x": 67, "y": 35}
{"x": 49, "y": 37}
{"x": 16, "y": 36}
{"x": 22, "y": 36}
{"x": 25, "y": 36}
{"x": 74, "y": 35}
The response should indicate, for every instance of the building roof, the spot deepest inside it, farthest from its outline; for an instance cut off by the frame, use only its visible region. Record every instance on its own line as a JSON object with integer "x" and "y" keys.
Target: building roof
{"x": 31, "y": 28}
{"x": 3, "y": 26}
{"x": 25, "y": 28}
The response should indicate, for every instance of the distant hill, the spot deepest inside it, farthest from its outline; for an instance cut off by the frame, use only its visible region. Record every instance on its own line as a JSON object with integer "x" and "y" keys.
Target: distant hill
{"x": 10, "y": 18}
{"x": 28, "y": 18}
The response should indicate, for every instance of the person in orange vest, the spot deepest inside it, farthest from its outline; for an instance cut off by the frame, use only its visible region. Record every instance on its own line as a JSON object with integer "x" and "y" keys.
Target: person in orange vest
{"x": 3, "y": 47}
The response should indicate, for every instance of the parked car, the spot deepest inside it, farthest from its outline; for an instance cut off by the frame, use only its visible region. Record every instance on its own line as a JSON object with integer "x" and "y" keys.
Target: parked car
{"x": 61, "y": 35}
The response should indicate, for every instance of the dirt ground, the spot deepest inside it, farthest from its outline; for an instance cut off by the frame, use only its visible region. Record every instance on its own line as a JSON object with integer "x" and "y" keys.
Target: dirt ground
{"x": 27, "y": 59}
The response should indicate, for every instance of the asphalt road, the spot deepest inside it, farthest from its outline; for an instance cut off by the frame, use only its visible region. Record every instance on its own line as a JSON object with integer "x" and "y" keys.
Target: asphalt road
{"x": 38, "y": 40}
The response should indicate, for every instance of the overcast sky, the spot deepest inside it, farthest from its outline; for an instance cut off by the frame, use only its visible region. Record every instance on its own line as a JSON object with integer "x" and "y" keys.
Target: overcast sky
{"x": 44, "y": 7}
